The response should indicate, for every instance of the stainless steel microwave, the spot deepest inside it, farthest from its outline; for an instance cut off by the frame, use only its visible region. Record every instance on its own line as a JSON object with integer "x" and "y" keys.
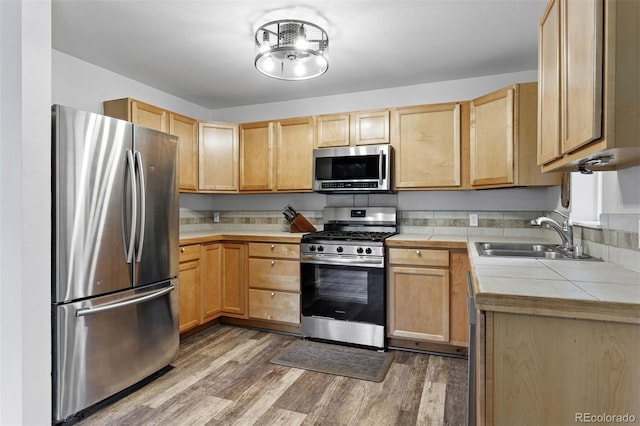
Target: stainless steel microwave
{"x": 352, "y": 169}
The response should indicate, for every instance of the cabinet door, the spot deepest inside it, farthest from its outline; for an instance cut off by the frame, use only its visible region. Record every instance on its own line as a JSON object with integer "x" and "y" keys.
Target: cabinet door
{"x": 492, "y": 138}
{"x": 189, "y": 294}
{"x": 332, "y": 130}
{"x": 149, "y": 116}
{"x": 211, "y": 281}
{"x": 187, "y": 131}
{"x": 295, "y": 154}
{"x": 582, "y": 45}
{"x": 218, "y": 156}
{"x": 419, "y": 303}
{"x": 233, "y": 279}
{"x": 370, "y": 128}
{"x": 427, "y": 146}
{"x": 256, "y": 157}
{"x": 549, "y": 85}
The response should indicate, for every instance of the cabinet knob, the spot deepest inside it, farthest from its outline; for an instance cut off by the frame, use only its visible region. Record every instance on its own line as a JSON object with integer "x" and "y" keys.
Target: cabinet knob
{"x": 273, "y": 262}
{"x": 273, "y": 294}
{"x": 418, "y": 252}
{"x": 273, "y": 246}
{"x": 182, "y": 250}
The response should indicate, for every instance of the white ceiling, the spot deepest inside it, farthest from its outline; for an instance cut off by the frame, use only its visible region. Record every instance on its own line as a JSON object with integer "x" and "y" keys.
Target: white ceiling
{"x": 203, "y": 51}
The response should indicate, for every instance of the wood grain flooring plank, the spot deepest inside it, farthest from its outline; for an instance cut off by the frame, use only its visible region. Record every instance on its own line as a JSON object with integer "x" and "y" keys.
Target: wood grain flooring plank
{"x": 223, "y": 376}
{"x": 305, "y": 393}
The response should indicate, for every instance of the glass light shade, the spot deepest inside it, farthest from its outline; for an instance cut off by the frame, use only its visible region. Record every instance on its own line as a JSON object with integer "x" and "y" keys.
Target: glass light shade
{"x": 291, "y": 50}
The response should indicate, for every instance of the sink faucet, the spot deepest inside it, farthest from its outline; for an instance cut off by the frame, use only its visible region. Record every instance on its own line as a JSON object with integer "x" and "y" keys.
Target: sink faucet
{"x": 565, "y": 230}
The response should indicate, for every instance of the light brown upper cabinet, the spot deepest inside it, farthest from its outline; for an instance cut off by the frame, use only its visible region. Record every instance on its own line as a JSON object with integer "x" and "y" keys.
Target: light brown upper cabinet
{"x": 356, "y": 128}
{"x": 503, "y": 139}
{"x": 294, "y": 154}
{"x": 276, "y": 155}
{"x": 256, "y": 156}
{"x": 218, "y": 155}
{"x": 589, "y": 100}
{"x": 186, "y": 129}
{"x": 138, "y": 113}
{"x": 150, "y": 116}
{"x": 426, "y": 141}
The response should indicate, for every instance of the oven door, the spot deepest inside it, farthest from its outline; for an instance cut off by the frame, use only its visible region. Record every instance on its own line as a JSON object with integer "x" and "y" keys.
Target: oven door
{"x": 341, "y": 292}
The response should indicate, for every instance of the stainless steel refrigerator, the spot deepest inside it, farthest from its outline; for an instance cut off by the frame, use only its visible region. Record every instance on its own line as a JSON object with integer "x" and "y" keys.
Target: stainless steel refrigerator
{"x": 114, "y": 256}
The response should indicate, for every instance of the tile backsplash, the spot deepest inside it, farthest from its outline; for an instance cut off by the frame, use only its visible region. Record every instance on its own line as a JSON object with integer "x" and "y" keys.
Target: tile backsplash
{"x": 615, "y": 241}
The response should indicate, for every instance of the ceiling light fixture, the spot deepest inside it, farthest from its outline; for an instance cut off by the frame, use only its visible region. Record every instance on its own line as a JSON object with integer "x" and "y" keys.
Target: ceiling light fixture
{"x": 291, "y": 49}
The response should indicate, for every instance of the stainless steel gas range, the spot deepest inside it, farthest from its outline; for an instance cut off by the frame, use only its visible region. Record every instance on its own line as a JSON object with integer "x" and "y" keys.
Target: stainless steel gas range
{"x": 343, "y": 279}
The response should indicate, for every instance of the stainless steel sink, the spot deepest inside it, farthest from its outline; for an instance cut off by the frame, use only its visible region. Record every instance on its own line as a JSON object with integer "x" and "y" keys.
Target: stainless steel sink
{"x": 527, "y": 250}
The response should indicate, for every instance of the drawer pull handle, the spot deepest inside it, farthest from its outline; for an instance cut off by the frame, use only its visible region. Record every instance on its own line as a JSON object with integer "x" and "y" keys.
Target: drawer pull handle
{"x": 273, "y": 246}
{"x": 418, "y": 252}
{"x": 182, "y": 250}
{"x": 273, "y": 262}
{"x": 273, "y": 294}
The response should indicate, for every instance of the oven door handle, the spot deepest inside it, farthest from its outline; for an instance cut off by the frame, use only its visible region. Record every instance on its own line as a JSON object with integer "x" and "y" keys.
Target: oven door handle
{"x": 343, "y": 261}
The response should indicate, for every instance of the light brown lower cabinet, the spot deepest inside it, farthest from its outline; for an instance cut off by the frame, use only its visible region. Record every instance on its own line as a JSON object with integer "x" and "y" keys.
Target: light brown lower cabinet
{"x": 189, "y": 287}
{"x": 426, "y": 297}
{"x": 274, "y": 282}
{"x": 233, "y": 283}
{"x": 543, "y": 370}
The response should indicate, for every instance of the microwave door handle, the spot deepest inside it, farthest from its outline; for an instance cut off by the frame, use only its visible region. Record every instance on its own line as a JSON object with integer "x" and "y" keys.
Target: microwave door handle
{"x": 381, "y": 168}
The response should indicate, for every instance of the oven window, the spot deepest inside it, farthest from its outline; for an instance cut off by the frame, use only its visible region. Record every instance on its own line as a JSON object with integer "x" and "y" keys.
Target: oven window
{"x": 338, "y": 285}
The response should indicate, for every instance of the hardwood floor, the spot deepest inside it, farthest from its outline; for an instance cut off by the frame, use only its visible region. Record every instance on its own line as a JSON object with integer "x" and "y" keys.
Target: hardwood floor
{"x": 222, "y": 376}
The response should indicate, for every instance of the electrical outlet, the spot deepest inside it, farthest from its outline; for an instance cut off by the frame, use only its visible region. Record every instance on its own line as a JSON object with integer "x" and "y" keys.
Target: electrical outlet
{"x": 216, "y": 217}
{"x": 473, "y": 219}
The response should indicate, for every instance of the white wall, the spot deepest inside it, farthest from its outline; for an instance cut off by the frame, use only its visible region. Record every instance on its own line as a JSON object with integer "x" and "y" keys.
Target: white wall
{"x": 25, "y": 206}
{"x": 448, "y": 91}
{"x": 85, "y": 86}
{"x": 621, "y": 191}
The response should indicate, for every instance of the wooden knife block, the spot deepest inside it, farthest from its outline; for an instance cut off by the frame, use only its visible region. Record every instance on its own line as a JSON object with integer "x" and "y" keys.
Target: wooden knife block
{"x": 301, "y": 224}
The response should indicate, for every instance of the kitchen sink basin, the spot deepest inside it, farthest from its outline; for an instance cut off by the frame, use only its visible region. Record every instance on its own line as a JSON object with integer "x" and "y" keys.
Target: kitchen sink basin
{"x": 527, "y": 250}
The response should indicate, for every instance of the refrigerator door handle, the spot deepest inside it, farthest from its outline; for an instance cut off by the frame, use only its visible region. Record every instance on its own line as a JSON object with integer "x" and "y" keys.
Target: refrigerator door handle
{"x": 143, "y": 204}
{"x": 129, "y": 251}
{"x": 116, "y": 305}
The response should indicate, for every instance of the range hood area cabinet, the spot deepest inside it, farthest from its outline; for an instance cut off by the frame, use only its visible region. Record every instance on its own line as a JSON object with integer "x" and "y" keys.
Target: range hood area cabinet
{"x": 503, "y": 139}
{"x": 277, "y": 155}
{"x": 151, "y": 116}
{"x": 589, "y": 99}
{"x": 352, "y": 129}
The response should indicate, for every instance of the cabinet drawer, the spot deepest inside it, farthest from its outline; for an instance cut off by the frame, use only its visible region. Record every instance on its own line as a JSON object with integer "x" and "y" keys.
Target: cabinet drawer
{"x": 274, "y": 306}
{"x": 418, "y": 257}
{"x": 191, "y": 252}
{"x": 275, "y": 274}
{"x": 285, "y": 251}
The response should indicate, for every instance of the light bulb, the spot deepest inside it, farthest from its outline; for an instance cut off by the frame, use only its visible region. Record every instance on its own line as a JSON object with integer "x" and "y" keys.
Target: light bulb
{"x": 299, "y": 70}
{"x": 268, "y": 64}
{"x": 321, "y": 61}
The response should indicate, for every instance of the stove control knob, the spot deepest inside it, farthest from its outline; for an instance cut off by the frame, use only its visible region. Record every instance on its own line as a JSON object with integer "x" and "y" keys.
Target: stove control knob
{"x": 312, "y": 248}
{"x": 320, "y": 248}
{"x": 339, "y": 249}
{"x": 368, "y": 250}
{"x": 359, "y": 250}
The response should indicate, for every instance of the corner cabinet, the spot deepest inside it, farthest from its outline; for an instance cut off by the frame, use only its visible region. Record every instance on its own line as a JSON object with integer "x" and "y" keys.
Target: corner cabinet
{"x": 150, "y": 116}
{"x": 427, "y": 149}
{"x": 589, "y": 94}
{"x": 503, "y": 139}
{"x": 218, "y": 157}
{"x": 426, "y": 298}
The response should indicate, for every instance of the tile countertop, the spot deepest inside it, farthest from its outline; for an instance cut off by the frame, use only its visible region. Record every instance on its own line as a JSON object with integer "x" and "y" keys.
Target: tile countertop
{"x": 566, "y": 288}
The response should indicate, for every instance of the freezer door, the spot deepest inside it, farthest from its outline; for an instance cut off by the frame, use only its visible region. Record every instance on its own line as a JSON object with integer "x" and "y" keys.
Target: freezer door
{"x": 91, "y": 158}
{"x": 109, "y": 343}
{"x": 157, "y": 239}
